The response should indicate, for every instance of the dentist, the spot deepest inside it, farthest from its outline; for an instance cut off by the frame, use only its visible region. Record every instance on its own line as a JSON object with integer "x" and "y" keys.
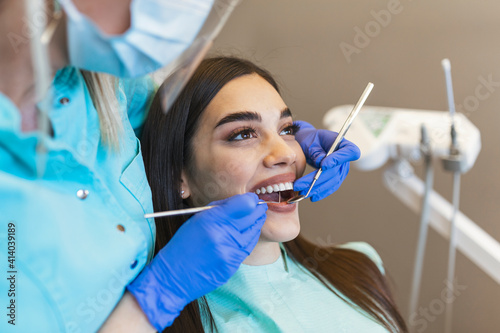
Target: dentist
{"x": 73, "y": 194}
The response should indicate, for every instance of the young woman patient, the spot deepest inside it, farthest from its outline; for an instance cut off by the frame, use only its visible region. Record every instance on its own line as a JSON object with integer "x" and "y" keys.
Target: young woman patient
{"x": 230, "y": 132}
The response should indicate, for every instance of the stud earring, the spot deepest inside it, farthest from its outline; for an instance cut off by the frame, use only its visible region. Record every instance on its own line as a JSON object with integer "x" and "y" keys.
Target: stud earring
{"x": 182, "y": 194}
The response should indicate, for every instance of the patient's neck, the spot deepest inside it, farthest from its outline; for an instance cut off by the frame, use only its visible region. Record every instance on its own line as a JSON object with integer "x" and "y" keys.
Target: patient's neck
{"x": 264, "y": 253}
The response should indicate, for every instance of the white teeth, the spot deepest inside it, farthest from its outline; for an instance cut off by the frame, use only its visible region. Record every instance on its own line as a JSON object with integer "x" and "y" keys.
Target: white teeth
{"x": 275, "y": 188}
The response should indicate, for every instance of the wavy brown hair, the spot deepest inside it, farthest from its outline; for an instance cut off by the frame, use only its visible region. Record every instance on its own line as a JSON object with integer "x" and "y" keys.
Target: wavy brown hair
{"x": 167, "y": 150}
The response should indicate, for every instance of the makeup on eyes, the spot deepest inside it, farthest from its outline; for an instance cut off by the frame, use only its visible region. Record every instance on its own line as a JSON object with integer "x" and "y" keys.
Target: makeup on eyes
{"x": 246, "y": 130}
{"x": 294, "y": 128}
{"x": 240, "y": 126}
{"x": 240, "y": 131}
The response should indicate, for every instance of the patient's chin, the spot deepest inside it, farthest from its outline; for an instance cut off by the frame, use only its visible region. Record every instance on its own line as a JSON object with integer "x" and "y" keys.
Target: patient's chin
{"x": 279, "y": 229}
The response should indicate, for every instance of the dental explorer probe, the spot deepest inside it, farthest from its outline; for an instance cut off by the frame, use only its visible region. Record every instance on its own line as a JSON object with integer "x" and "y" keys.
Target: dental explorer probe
{"x": 186, "y": 211}
{"x": 454, "y": 163}
{"x": 340, "y": 136}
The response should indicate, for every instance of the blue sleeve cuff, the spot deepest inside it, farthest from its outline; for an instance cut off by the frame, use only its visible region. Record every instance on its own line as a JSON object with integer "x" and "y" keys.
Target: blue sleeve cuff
{"x": 155, "y": 301}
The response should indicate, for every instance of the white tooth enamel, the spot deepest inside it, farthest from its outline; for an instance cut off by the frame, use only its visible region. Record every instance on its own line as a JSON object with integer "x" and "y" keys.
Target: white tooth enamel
{"x": 275, "y": 188}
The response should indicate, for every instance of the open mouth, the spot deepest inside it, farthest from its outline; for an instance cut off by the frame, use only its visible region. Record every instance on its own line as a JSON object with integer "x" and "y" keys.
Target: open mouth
{"x": 280, "y": 192}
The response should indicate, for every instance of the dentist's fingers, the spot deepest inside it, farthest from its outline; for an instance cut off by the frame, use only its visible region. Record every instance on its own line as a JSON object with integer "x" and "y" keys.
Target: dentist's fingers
{"x": 241, "y": 211}
{"x": 328, "y": 182}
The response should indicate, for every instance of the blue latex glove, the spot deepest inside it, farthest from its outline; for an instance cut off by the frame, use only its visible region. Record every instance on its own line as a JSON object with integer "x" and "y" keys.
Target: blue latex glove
{"x": 203, "y": 254}
{"x": 315, "y": 144}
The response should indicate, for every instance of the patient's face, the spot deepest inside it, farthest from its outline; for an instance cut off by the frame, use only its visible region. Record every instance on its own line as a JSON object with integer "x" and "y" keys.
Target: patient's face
{"x": 245, "y": 143}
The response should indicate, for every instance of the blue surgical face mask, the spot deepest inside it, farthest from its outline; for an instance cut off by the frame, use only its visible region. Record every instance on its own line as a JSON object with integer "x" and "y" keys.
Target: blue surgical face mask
{"x": 160, "y": 31}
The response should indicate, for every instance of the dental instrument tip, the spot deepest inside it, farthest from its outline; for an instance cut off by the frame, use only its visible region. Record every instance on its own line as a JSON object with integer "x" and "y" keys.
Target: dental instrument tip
{"x": 296, "y": 199}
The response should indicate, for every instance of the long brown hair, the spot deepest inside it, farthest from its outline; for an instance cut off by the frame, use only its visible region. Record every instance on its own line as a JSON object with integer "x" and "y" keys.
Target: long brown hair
{"x": 167, "y": 150}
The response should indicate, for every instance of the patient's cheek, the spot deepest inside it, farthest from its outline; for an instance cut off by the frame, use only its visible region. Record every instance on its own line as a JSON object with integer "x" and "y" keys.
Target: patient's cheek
{"x": 301, "y": 163}
{"x": 221, "y": 181}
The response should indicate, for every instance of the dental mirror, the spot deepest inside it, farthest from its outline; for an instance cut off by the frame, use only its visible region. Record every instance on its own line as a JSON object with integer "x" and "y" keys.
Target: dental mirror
{"x": 298, "y": 198}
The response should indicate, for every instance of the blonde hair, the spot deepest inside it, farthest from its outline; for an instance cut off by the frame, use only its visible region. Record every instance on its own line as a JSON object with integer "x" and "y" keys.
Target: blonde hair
{"x": 102, "y": 88}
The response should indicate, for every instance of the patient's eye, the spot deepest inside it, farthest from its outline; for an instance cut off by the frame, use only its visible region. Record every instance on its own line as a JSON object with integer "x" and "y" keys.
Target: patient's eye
{"x": 242, "y": 134}
{"x": 290, "y": 129}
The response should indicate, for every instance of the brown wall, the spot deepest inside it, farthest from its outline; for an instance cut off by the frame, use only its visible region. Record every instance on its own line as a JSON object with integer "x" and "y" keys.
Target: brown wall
{"x": 299, "y": 41}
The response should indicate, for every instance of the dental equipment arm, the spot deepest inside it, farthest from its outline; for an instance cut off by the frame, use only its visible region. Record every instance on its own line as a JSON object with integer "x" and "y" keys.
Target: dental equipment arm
{"x": 392, "y": 134}
{"x": 472, "y": 241}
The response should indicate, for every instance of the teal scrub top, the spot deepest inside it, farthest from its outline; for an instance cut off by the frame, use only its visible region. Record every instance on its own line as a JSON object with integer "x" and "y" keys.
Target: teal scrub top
{"x": 79, "y": 235}
{"x": 285, "y": 297}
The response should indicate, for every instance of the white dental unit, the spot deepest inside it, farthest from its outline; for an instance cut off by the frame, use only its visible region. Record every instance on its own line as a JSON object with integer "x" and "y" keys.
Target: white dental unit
{"x": 392, "y": 137}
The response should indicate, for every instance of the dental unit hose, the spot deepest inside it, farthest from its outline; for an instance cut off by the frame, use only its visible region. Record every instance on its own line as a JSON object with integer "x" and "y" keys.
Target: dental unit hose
{"x": 426, "y": 152}
{"x": 455, "y": 164}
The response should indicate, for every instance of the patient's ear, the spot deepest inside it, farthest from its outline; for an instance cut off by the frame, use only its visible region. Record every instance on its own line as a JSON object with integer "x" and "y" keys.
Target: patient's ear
{"x": 185, "y": 192}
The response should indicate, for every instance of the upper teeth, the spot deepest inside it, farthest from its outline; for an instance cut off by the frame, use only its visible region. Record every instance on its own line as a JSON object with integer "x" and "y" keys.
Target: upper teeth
{"x": 275, "y": 188}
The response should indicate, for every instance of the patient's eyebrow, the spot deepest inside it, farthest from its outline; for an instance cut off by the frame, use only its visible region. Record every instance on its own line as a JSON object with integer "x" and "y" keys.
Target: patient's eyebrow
{"x": 286, "y": 113}
{"x": 240, "y": 116}
{"x": 249, "y": 116}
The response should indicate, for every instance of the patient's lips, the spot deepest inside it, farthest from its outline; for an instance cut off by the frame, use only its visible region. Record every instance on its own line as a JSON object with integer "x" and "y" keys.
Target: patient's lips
{"x": 277, "y": 189}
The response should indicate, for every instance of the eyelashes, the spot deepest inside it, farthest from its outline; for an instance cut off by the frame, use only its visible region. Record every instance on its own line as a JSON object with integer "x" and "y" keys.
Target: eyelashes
{"x": 292, "y": 129}
{"x": 242, "y": 133}
{"x": 249, "y": 132}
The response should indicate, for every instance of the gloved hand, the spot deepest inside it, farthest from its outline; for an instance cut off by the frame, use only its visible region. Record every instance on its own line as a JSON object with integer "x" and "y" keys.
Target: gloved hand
{"x": 203, "y": 254}
{"x": 315, "y": 144}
